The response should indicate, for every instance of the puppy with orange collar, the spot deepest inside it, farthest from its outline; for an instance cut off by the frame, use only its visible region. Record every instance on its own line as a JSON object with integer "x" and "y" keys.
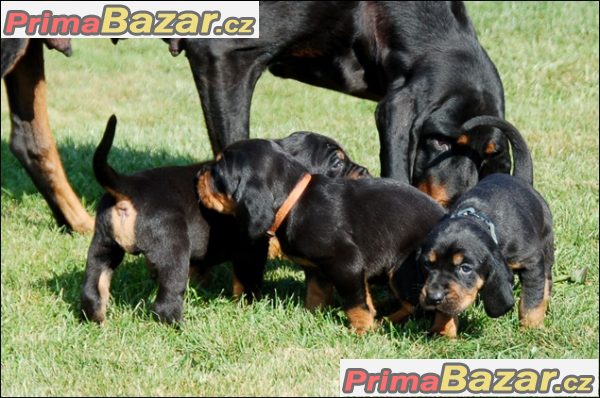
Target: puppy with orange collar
{"x": 156, "y": 213}
{"x": 342, "y": 232}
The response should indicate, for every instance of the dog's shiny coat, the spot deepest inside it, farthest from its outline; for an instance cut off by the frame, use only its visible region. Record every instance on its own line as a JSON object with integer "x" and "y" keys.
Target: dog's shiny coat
{"x": 156, "y": 213}
{"x": 343, "y": 232}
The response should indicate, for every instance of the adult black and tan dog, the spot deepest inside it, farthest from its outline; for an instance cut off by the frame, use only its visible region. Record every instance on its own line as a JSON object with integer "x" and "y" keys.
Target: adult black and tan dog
{"x": 500, "y": 227}
{"x": 421, "y": 61}
{"x": 156, "y": 213}
{"x": 343, "y": 232}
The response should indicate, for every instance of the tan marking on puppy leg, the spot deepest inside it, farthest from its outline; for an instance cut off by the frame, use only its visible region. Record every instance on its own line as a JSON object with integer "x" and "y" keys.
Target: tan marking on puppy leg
{"x": 534, "y": 317}
{"x": 363, "y": 319}
{"x": 123, "y": 217}
{"x": 217, "y": 201}
{"x": 104, "y": 290}
{"x": 445, "y": 325}
{"x": 405, "y": 311}
{"x": 317, "y": 296}
{"x": 238, "y": 287}
{"x": 274, "y": 252}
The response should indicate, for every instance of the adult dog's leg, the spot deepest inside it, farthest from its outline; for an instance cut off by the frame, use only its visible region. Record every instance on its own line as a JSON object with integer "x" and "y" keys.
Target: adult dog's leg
{"x": 395, "y": 116}
{"x": 32, "y": 142}
{"x": 225, "y": 82}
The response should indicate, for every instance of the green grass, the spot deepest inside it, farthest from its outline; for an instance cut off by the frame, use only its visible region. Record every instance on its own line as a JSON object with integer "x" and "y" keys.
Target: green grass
{"x": 547, "y": 55}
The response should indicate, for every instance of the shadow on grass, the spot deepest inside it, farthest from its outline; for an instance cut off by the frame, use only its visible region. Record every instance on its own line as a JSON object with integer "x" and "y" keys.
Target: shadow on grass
{"x": 77, "y": 161}
{"x": 132, "y": 286}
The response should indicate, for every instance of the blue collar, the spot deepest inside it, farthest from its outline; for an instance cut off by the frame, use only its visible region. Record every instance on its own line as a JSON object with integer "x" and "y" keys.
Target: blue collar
{"x": 470, "y": 211}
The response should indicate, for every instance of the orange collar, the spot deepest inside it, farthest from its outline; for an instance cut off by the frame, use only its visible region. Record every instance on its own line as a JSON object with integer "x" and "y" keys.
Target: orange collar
{"x": 289, "y": 202}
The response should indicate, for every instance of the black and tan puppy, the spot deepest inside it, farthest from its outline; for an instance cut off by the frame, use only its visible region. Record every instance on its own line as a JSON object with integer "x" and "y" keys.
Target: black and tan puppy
{"x": 343, "y": 232}
{"x": 500, "y": 227}
{"x": 156, "y": 213}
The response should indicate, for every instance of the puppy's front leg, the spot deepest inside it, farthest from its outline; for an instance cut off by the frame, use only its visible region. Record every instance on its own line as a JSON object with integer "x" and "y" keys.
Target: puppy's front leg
{"x": 319, "y": 291}
{"x": 354, "y": 290}
{"x": 445, "y": 325}
{"x": 249, "y": 269}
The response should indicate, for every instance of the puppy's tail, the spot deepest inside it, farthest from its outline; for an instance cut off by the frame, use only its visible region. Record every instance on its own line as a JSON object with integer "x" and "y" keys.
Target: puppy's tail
{"x": 522, "y": 163}
{"x": 105, "y": 174}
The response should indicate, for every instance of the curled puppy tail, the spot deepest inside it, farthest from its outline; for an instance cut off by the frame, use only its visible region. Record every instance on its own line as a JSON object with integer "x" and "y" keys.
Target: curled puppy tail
{"x": 105, "y": 174}
{"x": 522, "y": 163}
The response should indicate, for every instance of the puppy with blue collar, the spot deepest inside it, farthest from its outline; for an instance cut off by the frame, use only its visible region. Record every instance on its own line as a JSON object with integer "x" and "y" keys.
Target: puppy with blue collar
{"x": 499, "y": 228}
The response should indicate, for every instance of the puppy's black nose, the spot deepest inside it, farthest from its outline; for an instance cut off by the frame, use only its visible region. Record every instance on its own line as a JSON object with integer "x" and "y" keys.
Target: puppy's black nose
{"x": 434, "y": 297}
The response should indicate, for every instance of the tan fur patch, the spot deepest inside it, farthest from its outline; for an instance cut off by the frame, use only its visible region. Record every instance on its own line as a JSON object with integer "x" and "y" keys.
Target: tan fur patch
{"x": 238, "y": 287}
{"x": 437, "y": 191}
{"x": 317, "y": 296}
{"x": 405, "y": 311}
{"x": 534, "y": 317}
{"x": 445, "y": 325}
{"x": 275, "y": 249}
{"x": 104, "y": 290}
{"x": 123, "y": 216}
{"x": 515, "y": 265}
{"x": 464, "y": 297}
{"x": 462, "y": 139}
{"x": 214, "y": 200}
{"x": 361, "y": 319}
{"x": 490, "y": 148}
{"x": 341, "y": 154}
{"x": 457, "y": 259}
{"x": 432, "y": 256}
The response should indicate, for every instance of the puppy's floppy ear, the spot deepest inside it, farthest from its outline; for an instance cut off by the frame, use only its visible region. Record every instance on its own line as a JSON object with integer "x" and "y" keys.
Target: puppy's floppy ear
{"x": 497, "y": 292}
{"x": 256, "y": 207}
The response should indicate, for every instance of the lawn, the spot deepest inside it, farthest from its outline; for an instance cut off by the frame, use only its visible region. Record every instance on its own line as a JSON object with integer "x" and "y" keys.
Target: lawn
{"x": 547, "y": 55}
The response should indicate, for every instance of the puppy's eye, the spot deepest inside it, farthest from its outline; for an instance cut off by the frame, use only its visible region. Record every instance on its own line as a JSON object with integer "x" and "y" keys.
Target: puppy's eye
{"x": 337, "y": 163}
{"x": 466, "y": 268}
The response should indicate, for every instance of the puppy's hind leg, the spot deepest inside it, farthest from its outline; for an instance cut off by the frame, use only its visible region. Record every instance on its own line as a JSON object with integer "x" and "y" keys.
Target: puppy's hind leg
{"x": 104, "y": 255}
{"x": 171, "y": 261}
{"x": 319, "y": 291}
{"x": 534, "y": 295}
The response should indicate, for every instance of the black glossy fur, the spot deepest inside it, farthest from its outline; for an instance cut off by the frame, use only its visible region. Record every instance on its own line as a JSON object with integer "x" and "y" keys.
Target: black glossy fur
{"x": 421, "y": 61}
{"x": 460, "y": 258}
{"x": 343, "y": 232}
{"x": 173, "y": 231}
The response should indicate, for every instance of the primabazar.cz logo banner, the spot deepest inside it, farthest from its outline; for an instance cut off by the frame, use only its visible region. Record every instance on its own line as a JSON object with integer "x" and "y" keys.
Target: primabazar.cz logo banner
{"x": 128, "y": 19}
{"x": 469, "y": 377}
